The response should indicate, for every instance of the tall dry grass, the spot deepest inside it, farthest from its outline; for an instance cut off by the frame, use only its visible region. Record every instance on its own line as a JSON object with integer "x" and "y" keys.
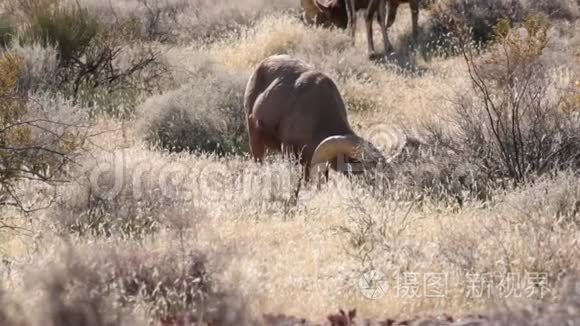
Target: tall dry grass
{"x": 193, "y": 228}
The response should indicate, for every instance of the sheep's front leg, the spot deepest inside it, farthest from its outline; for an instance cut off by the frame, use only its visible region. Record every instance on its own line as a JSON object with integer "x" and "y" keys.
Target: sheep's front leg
{"x": 257, "y": 145}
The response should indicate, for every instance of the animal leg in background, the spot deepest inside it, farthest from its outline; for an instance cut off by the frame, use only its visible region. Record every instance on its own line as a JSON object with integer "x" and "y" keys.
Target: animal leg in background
{"x": 381, "y": 12}
{"x": 370, "y": 12}
{"x": 377, "y": 7}
{"x": 393, "y": 7}
{"x": 351, "y": 16}
{"x": 414, "y": 4}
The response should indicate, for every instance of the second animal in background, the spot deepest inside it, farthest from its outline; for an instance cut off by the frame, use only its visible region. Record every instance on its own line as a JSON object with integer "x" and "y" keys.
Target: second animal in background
{"x": 345, "y": 11}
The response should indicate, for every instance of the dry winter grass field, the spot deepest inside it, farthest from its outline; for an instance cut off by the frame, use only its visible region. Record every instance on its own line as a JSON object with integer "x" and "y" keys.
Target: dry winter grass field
{"x": 129, "y": 197}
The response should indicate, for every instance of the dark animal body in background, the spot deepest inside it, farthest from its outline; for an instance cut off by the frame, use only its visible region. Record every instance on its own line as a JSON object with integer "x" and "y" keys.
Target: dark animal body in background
{"x": 342, "y": 14}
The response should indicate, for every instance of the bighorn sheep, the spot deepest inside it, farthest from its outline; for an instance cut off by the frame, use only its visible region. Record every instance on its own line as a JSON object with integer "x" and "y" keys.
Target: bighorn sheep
{"x": 291, "y": 107}
{"x": 342, "y": 14}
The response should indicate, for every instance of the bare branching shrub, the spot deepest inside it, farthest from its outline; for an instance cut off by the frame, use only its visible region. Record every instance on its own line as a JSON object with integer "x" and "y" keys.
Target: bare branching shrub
{"x": 516, "y": 122}
{"x": 37, "y": 141}
{"x": 159, "y": 18}
{"x": 514, "y": 126}
{"x": 205, "y": 115}
{"x": 441, "y": 35}
{"x": 94, "y": 59}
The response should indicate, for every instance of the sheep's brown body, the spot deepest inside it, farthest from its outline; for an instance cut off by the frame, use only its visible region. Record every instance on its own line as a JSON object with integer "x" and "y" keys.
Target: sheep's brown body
{"x": 293, "y": 108}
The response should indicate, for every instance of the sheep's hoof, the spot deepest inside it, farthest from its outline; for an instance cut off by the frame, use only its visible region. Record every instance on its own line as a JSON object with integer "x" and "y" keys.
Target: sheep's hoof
{"x": 374, "y": 56}
{"x": 390, "y": 51}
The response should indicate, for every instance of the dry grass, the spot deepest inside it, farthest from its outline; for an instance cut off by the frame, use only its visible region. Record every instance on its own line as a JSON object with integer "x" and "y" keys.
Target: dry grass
{"x": 121, "y": 243}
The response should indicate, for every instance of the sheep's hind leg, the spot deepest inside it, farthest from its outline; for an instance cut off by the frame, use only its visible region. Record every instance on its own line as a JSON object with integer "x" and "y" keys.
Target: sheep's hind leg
{"x": 257, "y": 145}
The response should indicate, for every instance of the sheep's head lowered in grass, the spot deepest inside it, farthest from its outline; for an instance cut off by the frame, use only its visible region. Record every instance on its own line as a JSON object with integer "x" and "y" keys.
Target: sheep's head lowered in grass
{"x": 354, "y": 155}
{"x": 293, "y": 108}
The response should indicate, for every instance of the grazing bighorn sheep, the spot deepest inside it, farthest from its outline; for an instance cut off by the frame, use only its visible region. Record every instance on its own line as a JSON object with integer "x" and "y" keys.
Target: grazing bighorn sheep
{"x": 342, "y": 13}
{"x": 291, "y": 107}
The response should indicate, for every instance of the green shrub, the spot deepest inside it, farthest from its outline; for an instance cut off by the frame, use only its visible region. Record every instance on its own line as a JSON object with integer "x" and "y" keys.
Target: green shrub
{"x": 557, "y": 9}
{"x": 70, "y": 30}
{"x": 6, "y": 31}
{"x": 440, "y": 35}
{"x": 206, "y": 115}
{"x": 98, "y": 64}
{"x": 39, "y": 68}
